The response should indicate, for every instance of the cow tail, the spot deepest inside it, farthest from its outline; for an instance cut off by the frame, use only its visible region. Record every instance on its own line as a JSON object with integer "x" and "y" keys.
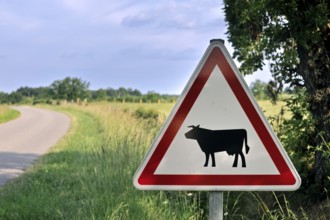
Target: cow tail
{"x": 247, "y": 148}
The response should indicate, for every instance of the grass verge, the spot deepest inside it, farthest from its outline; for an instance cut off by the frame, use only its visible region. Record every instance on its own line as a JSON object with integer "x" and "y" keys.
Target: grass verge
{"x": 7, "y": 114}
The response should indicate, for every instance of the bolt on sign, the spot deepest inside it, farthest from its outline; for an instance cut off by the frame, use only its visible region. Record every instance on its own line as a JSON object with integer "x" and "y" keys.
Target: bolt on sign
{"x": 216, "y": 137}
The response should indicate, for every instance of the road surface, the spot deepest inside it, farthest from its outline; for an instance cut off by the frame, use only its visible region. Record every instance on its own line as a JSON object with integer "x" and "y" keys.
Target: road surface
{"x": 27, "y": 137}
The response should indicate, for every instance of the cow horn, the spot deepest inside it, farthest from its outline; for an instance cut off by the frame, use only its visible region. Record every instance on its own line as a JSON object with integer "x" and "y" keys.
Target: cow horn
{"x": 191, "y": 126}
{"x": 197, "y": 126}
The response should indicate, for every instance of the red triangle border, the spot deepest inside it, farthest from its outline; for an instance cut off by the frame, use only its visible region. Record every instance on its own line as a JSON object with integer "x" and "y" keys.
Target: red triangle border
{"x": 148, "y": 176}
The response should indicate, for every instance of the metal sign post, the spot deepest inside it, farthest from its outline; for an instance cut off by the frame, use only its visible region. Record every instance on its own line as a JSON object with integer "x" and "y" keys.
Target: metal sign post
{"x": 215, "y": 205}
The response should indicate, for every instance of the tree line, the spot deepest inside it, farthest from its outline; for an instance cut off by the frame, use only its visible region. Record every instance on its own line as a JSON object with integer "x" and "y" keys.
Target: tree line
{"x": 72, "y": 89}
{"x": 75, "y": 89}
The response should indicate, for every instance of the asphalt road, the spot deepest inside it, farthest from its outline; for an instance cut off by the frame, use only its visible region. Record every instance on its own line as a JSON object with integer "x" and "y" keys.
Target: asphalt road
{"x": 24, "y": 139}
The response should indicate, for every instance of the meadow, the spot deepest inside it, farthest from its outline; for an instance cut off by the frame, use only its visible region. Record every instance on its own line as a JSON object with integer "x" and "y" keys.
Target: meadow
{"x": 88, "y": 174}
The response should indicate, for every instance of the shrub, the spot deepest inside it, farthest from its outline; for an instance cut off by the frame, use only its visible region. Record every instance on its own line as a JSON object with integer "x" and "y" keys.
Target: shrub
{"x": 146, "y": 113}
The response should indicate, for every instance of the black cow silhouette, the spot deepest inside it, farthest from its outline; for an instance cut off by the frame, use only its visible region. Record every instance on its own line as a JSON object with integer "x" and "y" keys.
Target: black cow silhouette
{"x": 212, "y": 141}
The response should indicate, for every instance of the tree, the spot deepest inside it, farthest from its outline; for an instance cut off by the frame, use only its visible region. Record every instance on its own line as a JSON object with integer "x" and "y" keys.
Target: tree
{"x": 258, "y": 89}
{"x": 100, "y": 95}
{"x": 15, "y": 97}
{"x": 273, "y": 89}
{"x": 3, "y": 97}
{"x": 152, "y": 96}
{"x": 135, "y": 92}
{"x": 122, "y": 92}
{"x": 70, "y": 89}
{"x": 39, "y": 92}
{"x": 294, "y": 37}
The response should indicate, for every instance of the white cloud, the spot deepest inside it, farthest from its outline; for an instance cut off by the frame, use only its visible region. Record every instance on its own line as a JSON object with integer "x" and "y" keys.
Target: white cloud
{"x": 173, "y": 25}
{"x": 173, "y": 15}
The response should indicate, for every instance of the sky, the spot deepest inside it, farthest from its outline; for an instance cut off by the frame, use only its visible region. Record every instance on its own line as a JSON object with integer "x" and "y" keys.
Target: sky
{"x": 145, "y": 45}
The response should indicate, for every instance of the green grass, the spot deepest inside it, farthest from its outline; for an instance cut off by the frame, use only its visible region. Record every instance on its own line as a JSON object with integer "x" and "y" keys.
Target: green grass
{"x": 7, "y": 114}
{"x": 88, "y": 175}
{"x": 271, "y": 110}
{"x": 162, "y": 108}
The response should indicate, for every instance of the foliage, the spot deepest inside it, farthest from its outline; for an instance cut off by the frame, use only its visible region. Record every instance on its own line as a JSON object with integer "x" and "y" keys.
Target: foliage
{"x": 99, "y": 95}
{"x": 11, "y": 98}
{"x": 70, "y": 89}
{"x": 297, "y": 133}
{"x": 146, "y": 113}
{"x": 278, "y": 210}
{"x": 273, "y": 90}
{"x": 263, "y": 91}
{"x": 272, "y": 30}
{"x": 294, "y": 37}
{"x": 258, "y": 89}
{"x": 296, "y": 129}
{"x": 233, "y": 206}
{"x": 111, "y": 94}
{"x": 37, "y": 93}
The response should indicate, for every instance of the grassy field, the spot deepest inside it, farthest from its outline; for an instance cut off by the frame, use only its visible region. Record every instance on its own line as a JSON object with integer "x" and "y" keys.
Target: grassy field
{"x": 7, "y": 114}
{"x": 88, "y": 174}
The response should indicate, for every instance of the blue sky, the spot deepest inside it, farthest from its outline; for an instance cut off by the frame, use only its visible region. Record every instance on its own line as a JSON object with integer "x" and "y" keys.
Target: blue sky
{"x": 146, "y": 45}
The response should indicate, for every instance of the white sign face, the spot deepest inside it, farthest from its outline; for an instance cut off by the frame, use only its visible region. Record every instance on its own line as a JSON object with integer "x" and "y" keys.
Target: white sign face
{"x": 216, "y": 137}
{"x": 184, "y": 156}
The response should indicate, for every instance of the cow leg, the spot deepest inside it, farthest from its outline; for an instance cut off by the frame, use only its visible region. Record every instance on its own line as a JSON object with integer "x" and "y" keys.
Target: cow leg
{"x": 235, "y": 161}
{"x": 243, "y": 159}
{"x": 213, "y": 160}
{"x": 207, "y": 155}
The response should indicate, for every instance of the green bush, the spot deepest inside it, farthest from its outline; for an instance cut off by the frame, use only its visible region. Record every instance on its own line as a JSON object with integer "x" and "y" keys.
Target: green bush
{"x": 297, "y": 134}
{"x": 146, "y": 113}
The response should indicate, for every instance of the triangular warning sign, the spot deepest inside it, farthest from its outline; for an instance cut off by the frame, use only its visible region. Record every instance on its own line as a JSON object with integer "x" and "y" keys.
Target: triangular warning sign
{"x": 216, "y": 137}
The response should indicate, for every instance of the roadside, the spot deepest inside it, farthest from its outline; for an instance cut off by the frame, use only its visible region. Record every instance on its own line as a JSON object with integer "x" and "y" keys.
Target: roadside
{"x": 25, "y": 139}
{"x": 8, "y": 114}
